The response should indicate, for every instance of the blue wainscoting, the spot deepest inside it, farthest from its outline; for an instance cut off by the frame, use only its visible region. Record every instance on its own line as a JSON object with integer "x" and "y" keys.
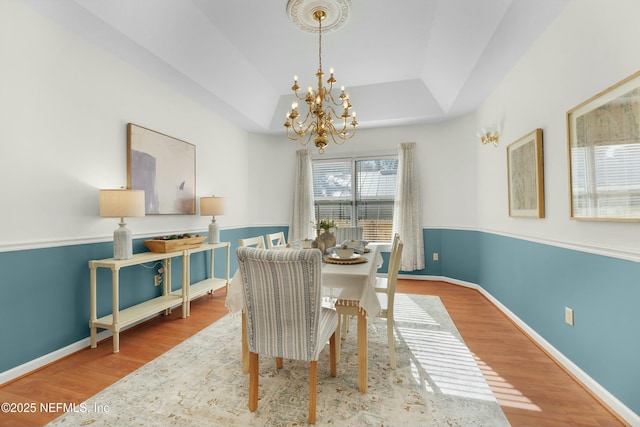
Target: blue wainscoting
{"x": 45, "y": 295}
{"x": 537, "y": 281}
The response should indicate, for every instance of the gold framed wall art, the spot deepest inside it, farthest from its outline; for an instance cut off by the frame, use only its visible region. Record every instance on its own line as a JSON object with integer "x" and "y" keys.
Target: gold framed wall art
{"x": 525, "y": 174}
{"x": 603, "y": 135}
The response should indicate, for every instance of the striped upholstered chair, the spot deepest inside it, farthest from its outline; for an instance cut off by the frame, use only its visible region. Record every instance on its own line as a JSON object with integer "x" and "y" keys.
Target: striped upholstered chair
{"x": 284, "y": 314}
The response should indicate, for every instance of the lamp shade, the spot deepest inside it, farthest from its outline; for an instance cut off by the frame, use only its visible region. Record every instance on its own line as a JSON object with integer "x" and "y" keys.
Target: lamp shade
{"x": 213, "y": 206}
{"x": 121, "y": 203}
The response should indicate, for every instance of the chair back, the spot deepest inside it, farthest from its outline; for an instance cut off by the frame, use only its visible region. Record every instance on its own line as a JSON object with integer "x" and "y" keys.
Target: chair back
{"x": 275, "y": 239}
{"x": 392, "y": 276}
{"x": 282, "y": 293}
{"x": 257, "y": 241}
{"x": 394, "y": 244}
{"x": 348, "y": 233}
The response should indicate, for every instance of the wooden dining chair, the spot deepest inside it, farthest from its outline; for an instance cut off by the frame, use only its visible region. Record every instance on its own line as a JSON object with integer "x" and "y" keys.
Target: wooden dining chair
{"x": 380, "y": 286}
{"x": 257, "y": 242}
{"x": 347, "y": 308}
{"x": 387, "y": 298}
{"x": 275, "y": 239}
{"x": 382, "y": 282}
{"x": 285, "y": 319}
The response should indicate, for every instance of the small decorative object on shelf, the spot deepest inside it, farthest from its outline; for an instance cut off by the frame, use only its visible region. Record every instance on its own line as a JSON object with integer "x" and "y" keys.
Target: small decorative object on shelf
{"x": 175, "y": 242}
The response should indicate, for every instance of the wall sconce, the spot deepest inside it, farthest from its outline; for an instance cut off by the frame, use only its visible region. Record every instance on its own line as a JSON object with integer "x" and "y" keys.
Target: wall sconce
{"x": 213, "y": 206}
{"x": 489, "y": 137}
{"x": 120, "y": 204}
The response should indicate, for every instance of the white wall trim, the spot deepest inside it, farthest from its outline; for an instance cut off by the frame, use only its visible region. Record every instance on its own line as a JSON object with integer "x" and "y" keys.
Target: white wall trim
{"x": 620, "y": 408}
{"x": 55, "y": 243}
{"x": 628, "y": 255}
{"x": 597, "y": 250}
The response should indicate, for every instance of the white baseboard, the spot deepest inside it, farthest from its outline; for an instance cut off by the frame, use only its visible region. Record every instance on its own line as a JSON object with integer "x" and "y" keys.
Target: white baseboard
{"x": 42, "y": 361}
{"x": 603, "y": 394}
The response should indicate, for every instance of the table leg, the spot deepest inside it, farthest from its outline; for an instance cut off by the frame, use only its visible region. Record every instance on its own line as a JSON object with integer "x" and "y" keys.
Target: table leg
{"x": 363, "y": 357}
{"x": 186, "y": 285}
{"x": 115, "y": 297}
{"x": 93, "y": 310}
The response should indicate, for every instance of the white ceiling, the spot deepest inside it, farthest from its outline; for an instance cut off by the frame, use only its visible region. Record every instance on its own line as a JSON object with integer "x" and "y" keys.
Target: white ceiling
{"x": 406, "y": 61}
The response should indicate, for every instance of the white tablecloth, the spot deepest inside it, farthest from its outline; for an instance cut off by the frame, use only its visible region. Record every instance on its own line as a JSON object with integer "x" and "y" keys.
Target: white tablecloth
{"x": 354, "y": 282}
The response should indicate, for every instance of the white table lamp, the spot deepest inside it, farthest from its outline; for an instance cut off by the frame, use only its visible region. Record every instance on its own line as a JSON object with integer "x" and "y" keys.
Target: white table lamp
{"x": 213, "y": 206}
{"x": 120, "y": 204}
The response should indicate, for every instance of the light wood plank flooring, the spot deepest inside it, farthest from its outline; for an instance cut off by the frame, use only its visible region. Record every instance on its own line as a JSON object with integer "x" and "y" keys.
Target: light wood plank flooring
{"x": 531, "y": 388}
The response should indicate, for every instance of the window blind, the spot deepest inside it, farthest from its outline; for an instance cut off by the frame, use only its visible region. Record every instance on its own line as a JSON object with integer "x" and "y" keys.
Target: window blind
{"x": 358, "y": 192}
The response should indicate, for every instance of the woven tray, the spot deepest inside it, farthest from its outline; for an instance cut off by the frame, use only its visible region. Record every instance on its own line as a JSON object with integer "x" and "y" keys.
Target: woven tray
{"x": 331, "y": 260}
{"x": 175, "y": 245}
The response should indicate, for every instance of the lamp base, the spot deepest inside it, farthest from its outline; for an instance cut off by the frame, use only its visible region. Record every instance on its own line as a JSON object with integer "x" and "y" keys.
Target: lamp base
{"x": 122, "y": 243}
{"x": 214, "y": 232}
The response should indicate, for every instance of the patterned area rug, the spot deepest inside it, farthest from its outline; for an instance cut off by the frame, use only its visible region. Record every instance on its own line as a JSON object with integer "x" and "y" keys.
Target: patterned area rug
{"x": 200, "y": 382}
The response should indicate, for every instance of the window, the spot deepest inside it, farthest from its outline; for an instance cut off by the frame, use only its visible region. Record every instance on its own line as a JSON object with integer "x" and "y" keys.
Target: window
{"x": 357, "y": 192}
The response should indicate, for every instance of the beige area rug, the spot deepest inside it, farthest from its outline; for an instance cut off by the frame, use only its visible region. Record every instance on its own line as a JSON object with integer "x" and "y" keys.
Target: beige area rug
{"x": 200, "y": 382}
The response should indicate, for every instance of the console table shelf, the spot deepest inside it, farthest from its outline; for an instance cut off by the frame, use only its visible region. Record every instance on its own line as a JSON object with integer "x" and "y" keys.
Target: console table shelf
{"x": 140, "y": 311}
{"x": 119, "y": 319}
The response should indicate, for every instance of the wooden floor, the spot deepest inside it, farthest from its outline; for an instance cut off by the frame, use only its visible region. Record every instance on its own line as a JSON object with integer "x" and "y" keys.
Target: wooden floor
{"x": 531, "y": 388}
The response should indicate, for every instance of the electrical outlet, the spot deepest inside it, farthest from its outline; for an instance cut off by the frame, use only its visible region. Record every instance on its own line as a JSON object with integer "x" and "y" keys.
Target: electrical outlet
{"x": 436, "y": 257}
{"x": 568, "y": 316}
{"x": 157, "y": 279}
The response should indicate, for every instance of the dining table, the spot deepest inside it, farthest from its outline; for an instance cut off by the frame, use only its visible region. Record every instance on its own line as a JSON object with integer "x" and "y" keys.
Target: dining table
{"x": 340, "y": 280}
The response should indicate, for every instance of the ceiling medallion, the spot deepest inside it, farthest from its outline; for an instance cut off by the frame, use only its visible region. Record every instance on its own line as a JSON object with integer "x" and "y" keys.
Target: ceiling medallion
{"x": 336, "y": 12}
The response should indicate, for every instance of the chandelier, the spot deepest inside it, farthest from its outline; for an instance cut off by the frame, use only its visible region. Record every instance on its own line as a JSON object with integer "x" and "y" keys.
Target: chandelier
{"x": 327, "y": 117}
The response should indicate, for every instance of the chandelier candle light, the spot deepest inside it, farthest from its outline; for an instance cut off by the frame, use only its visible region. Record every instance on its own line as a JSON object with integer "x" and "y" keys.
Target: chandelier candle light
{"x": 318, "y": 122}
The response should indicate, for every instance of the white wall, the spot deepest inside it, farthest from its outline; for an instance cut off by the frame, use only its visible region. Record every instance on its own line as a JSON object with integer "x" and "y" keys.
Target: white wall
{"x": 446, "y": 159}
{"x": 64, "y": 106}
{"x": 592, "y": 45}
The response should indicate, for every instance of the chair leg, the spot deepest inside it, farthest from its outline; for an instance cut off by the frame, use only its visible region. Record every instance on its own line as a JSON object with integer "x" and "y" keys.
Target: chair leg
{"x": 391, "y": 342}
{"x": 337, "y": 335}
{"x": 245, "y": 345}
{"x": 333, "y": 355}
{"x": 313, "y": 382}
{"x": 253, "y": 381}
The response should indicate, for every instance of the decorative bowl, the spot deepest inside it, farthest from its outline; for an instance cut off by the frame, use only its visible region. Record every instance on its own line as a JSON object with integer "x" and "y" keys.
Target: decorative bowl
{"x": 162, "y": 245}
{"x": 344, "y": 253}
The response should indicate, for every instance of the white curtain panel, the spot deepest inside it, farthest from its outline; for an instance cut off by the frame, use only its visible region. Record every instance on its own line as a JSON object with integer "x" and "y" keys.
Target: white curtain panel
{"x": 407, "y": 209}
{"x": 302, "y": 216}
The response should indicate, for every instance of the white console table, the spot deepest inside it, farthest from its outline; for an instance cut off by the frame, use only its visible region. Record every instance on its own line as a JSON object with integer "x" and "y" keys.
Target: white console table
{"x": 210, "y": 284}
{"x": 119, "y": 319}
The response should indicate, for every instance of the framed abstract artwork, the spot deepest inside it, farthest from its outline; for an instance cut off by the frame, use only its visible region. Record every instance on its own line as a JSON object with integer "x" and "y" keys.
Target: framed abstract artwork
{"x": 526, "y": 176}
{"x": 603, "y": 135}
{"x": 165, "y": 168}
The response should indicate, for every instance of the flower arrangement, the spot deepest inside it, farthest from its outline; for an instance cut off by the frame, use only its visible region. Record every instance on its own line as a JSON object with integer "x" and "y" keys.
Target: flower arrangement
{"x": 326, "y": 224}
